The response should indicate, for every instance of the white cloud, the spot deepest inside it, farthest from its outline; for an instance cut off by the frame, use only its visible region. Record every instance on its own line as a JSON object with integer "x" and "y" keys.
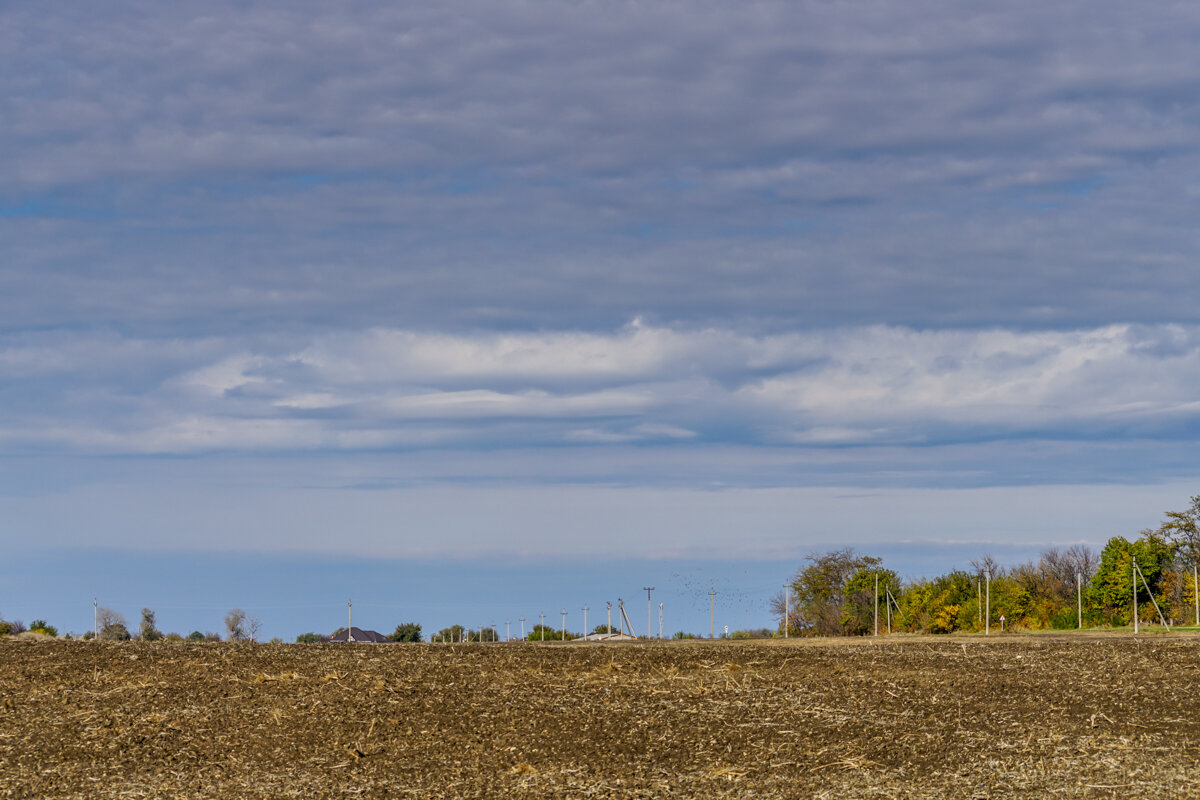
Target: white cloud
{"x": 653, "y": 384}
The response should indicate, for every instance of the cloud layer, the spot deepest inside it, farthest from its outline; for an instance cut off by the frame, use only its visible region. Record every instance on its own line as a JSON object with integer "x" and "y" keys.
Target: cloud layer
{"x": 387, "y": 389}
{"x": 518, "y": 165}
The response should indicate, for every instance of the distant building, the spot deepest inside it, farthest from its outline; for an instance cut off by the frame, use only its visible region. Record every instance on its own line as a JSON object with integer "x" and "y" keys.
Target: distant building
{"x": 359, "y": 635}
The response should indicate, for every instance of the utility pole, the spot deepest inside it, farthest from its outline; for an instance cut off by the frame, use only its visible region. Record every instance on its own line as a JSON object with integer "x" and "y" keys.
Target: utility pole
{"x": 1079, "y": 598}
{"x": 648, "y": 590}
{"x": 1135, "y": 608}
{"x": 987, "y": 620}
{"x": 608, "y": 629}
{"x": 349, "y": 621}
{"x": 522, "y": 629}
{"x": 660, "y": 630}
{"x": 1196, "y": 594}
{"x": 787, "y": 609}
{"x": 543, "y": 616}
{"x": 876, "y": 603}
{"x": 712, "y": 613}
{"x": 95, "y": 619}
{"x": 585, "y": 630}
{"x": 507, "y": 631}
{"x": 564, "y": 632}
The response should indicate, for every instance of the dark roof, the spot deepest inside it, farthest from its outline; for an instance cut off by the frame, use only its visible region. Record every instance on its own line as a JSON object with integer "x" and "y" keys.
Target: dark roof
{"x": 359, "y": 636}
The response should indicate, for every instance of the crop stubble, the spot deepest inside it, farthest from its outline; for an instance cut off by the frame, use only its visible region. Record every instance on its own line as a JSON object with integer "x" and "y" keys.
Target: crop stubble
{"x": 1006, "y": 717}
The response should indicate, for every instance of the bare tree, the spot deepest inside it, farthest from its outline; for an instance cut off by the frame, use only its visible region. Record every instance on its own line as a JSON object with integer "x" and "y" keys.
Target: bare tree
{"x": 986, "y": 565}
{"x": 113, "y": 627}
{"x": 253, "y": 627}
{"x": 235, "y": 625}
{"x": 149, "y": 631}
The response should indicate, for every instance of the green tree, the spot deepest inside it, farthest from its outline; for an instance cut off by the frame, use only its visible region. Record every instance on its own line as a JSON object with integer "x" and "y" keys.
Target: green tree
{"x": 1182, "y": 530}
{"x": 406, "y": 632}
{"x": 455, "y": 633}
{"x": 195, "y": 636}
{"x": 543, "y": 631}
{"x": 859, "y": 606}
{"x": 1111, "y": 589}
{"x": 308, "y": 638}
{"x": 830, "y": 596}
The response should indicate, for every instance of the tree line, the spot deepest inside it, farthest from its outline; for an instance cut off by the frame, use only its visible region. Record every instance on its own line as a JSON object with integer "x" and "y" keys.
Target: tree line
{"x": 1152, "y": 576}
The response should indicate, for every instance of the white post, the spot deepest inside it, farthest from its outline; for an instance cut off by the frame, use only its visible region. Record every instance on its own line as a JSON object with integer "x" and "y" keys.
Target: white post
{"x": 585, "y": 630}
{"x": 648, "y": 589}
{"x": 1135, "y": 609}
{"x": 564, "y": 632}
{"x": 608, "y": 626}
{"x": 1196, "y": 594}
{"x": 787, "y": 609}
{"x": 660, "y": 629}
{"x": 507, "y": 630}
{"x": 95, "y": 619}
{"x": 987, "y": 619}
{"x": 522, "y": 629}
{"x": 349, "y": 621}
{"x": 543, "y": 616}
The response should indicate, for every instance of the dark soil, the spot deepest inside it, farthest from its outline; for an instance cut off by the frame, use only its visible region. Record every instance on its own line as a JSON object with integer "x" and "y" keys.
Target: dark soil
{"x": 948, "y": 717}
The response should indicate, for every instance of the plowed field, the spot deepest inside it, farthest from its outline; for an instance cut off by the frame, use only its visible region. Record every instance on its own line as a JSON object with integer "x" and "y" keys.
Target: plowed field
{"x": 964, "y": 718}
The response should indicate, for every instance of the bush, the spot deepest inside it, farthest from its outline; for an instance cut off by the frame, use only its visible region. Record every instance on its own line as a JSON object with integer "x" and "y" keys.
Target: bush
{"x": 43, "y": 627}
{"x": 195, "y": 636}
{"x": 309, "y": 638}
{"x": 407, "y": 632}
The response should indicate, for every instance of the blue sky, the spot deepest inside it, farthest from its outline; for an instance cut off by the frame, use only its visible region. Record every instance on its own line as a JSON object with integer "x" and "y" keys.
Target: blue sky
{"x": 479, "y": 285}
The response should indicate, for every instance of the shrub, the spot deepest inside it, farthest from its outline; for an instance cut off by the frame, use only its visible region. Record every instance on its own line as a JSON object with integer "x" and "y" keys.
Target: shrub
{"x": 308, "y": 638}
{"x": 43, "y": 627}
{"x": 195, "y": 636}
{"x": 407, "y": 632}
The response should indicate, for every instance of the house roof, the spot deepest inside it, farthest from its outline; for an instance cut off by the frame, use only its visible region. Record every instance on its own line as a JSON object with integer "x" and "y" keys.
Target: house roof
{"x": 374, "y": 637}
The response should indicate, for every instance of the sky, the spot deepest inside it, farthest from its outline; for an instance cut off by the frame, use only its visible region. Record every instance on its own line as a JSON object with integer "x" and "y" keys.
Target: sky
{"x": 536, "y": 304}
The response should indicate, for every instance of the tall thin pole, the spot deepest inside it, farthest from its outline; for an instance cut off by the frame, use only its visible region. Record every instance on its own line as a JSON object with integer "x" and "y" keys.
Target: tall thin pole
{"x": 522, "y": 629}
{"x": 1133, "y": 571}
{"x": 585, "y": 629}
{"x": 787, "y": 610}
{"x": 608, "y": 627}
{"x": 349, "y": 621}
{"x": 95, "y": 619}
{"x": 507, "y": 630}
{"x": 660, "y": 629}
{"x": 1196, "y": 594}
{"x": 648, "y": 590}
{"x": 987, "y": 620}
{"x": 1079, "y": 597}
{"x": 978, "y": 599}
{"x": 564, "y": 631}
{"x": 876, "y": 603}
{"x": 712, "y": 613}
{"x": 543, "y": 616}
